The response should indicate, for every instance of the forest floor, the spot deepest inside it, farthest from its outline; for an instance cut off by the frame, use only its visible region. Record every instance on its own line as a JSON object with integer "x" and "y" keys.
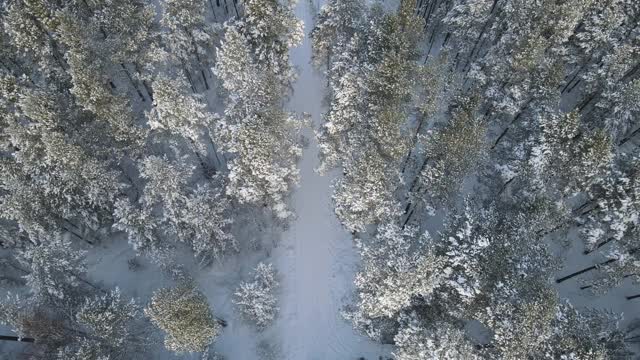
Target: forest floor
{"x": 316, "y": 257}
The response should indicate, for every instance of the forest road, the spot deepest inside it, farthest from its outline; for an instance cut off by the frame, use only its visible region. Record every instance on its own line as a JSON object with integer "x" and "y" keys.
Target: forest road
{"x": 317, "y": 258}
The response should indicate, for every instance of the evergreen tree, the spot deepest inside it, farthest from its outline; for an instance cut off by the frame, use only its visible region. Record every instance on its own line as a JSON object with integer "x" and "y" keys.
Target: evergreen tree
{"x": 184, "y": 315}
{"x": 256, "y": 300}
{"x": 265, "y": 141}
{"x": 107, "y": 324}
{"x": 54, "y": 269}
{"x": 198, "y": 217}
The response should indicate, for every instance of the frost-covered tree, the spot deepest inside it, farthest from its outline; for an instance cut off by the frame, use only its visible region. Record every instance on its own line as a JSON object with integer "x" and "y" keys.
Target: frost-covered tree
{"x": 184, "y": 315}
{"x": 365, "y": 195}
{"x": 398, "y": 267}
{"x": 271, "y": 28}
{"x": 188, "y": 36}
{"x": 138, "y": 223}
{"x": 180, "y": 113}
{"x": 569, "y": 159}
{"x": 416, "y": 340}
{"x": 262, "y": 137}
{"x": 468, "y": 22}
{"x": 29, "y": 27}
{"x": 29, "y": 319}
{"x": 89, "y": 71}
{"x": 52, "y": 166}
{"x": 55, "y": 268}
{"x": 207, "y": 222}
{"x": 82, "y": 326}
{"x": 529, "y": 320}
{"x": 198, "y": 217}
{"x": 257, "y": 300}
{"x": 108, "y": 326}
{"x": 452, "y": 153}
{"x": 371, "y": 82}
{"x": 337, "y": 22}
{"x": 337, "y": 138}
{"x": 176, "y": 111}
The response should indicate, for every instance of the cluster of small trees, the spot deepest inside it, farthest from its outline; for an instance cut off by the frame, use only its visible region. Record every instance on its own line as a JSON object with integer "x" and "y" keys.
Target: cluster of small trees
{"x": 107, "y": 126}
{"x": 67, "y": 316}
{"x": 517, "y": 126}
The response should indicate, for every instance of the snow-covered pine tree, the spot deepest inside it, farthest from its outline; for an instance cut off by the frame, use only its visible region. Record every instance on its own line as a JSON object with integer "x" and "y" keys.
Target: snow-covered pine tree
{"x": 263, "y": 139}
{"x": 184, "y": 315}
{"x": 108, "y": 327}
{"x": 371, "y": 81}
{"x": 55, "y": 269}
{"x": 417, "y": 340}
{"x": 30, "y": 26}
{"x": 181, "y": 113}
{"x": 138, "y": 223}
{"x": 92, "y": 87}
{"x": 198, "y": 217}
{"x": 398, "y": 267}
{"x": 568, "y": 158}
{"x": 189, "y": 38}
{"x": 452, "y": 153}
{"x": 257, "y": 300}
{"x": 70, "y": 185}
{"x": 336, "y": 24}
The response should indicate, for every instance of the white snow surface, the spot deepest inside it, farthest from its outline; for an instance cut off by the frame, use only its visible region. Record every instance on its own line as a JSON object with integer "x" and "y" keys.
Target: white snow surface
{"x": 316, "y": 257}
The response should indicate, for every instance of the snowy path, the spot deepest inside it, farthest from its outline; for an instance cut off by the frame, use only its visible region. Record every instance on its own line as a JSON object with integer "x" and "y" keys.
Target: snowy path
{"x": 316, "y": 258}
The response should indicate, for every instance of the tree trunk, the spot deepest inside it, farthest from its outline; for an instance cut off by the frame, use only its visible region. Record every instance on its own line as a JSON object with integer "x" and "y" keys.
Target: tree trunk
{"x": 203, "y": 165}
{"x": 406, "y": 221}
{"x": 204, "y": 78}
{"x": 15, "y": 338}
{"x": 591, "y": 285}
{"x": 235, "y": 6}
{"x": 573, "y": 78}
{"x": 133, "y": 83}
{"x": 415, "y": 140}
{"x": 188, "y": 75}
{"x": 221, "y": 165}
{"x": 213, "y": 11}
{"x": 504, "y": 187}
{"x": 516, "y": 118}
{"x": 222, "y": 322}
{"x": 627, "y": 138}
{"x": 587, "y": 269}
{"x": 587, "y": 252}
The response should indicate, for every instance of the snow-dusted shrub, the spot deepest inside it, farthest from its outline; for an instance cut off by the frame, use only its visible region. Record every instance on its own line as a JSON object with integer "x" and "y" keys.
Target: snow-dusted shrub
{"x": 184, "y": 314}
{"x": 256, "y": 300}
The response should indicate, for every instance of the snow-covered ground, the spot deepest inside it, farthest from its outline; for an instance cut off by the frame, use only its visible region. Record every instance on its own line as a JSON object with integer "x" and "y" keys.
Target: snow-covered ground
{"x": 316, "y": 256}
